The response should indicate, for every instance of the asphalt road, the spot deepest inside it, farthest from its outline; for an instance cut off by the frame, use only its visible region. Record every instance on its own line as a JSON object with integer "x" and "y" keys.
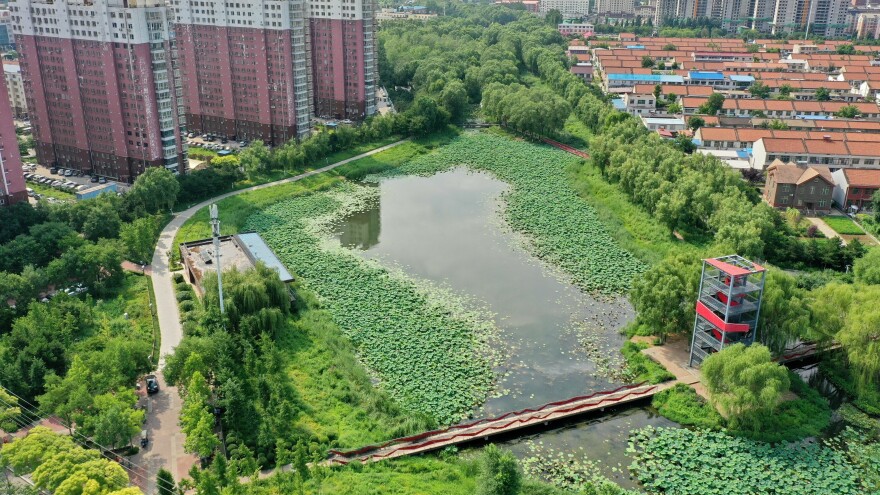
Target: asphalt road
{"x": 166, "y": 438}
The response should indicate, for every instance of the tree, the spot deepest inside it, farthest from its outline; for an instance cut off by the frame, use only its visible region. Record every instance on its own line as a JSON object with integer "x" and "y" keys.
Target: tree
{"x": 776, "y": 124}
{"x": 860, "y": 338}
{"x": 454, "y": 99}
{"x": 684, "y": 144}
{"x": 714, "y": 104}
{"x": 196, "y": 419}
{"x": 658, "y": 91}
{"x": 822, "y": 94}
{"x": 785, "y": 314}
{"x": 875, "y": 205}
{"x": 669, "y": 47}
{"x": 867, "y": 268}
{"x": 165, "y": 482}
{"x": 647, "y": 62}
{"x": 745, "y": 383}
{"x": 848, "y": 112}
{"x": 155, "y": 190}
{"x": 139, "y": 238}
{"x": 499, "y": 474}
{"x": 9, "y": 412}
{"x": 254, "y": 159}
{"x": 759, "y": 90}
{"x": 553, "y": 17}
{"x": 845, "y": 49}
{"x": 114, "y": 421}
{"x": 674, "y": 108}
{"x": 664, "y": 296}
{"x": 695, "y": 123}
{"x": 785, "y": 91}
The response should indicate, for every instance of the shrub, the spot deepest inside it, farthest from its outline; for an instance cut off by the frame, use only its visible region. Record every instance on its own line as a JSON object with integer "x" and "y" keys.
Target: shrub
{"x": 640, "y": 367}
{"x": 177, "y": 278}
{"x": 186, "y": 306}
{"x": 500, "y": 473}
{"x": 184, "y": 296}
{"x": 682, "y": 405}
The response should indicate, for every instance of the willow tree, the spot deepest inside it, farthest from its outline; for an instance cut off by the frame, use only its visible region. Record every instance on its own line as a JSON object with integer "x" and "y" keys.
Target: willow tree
{"x": 256, "y": 300}
{"x": 745, "y": 383}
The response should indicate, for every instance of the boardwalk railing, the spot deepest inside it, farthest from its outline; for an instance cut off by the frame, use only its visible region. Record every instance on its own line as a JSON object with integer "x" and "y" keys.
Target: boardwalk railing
{"x": 453, "y": 435}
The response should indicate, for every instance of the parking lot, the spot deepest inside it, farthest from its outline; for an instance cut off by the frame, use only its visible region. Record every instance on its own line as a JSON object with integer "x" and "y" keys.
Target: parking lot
{"x": 68, "y": 183}
{"x": 214, "y": 143}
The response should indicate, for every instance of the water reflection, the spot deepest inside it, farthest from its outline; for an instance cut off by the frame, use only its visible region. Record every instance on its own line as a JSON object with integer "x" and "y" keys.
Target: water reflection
{"x": 362, "y": 229}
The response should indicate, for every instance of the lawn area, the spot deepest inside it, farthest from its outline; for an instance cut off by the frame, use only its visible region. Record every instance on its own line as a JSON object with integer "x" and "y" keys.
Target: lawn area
{"x": 843, "y": 225}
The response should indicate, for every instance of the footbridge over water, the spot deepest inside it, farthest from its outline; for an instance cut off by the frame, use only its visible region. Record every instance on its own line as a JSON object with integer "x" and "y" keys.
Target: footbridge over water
{"x": 486, "y": 428}
{"x": 483, "y": 429}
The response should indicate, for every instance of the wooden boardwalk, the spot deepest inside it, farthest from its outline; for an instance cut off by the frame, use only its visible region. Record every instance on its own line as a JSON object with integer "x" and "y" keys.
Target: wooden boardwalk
{"x": 489, "y": 427}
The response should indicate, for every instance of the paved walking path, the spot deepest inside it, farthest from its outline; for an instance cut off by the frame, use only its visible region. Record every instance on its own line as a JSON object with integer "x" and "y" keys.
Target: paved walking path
{"x": 166, "y": 438}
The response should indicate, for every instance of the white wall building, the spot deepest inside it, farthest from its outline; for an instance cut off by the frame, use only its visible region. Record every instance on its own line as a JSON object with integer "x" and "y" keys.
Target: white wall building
{"x": 15, "y": 87}
{"x": 568, "y": 8}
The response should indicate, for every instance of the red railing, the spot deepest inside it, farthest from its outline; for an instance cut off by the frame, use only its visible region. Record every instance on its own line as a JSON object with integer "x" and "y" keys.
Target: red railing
{"x": 516, "y": 414}
{"x": 565, "y": 147}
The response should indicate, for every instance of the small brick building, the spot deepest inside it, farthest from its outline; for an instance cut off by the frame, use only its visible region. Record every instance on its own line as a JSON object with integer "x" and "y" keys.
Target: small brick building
{"x": 807, "y": 189}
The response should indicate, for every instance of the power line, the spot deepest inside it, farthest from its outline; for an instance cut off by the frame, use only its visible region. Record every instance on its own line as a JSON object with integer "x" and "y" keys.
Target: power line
{"x": 102, "y": 449}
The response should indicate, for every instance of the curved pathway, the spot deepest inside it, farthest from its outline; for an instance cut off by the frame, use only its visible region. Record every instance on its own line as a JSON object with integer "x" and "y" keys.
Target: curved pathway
{"x": 166, "y": 439}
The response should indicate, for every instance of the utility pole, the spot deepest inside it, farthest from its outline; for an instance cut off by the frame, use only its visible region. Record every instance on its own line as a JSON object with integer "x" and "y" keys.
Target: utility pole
{"x": 215, "y": 230}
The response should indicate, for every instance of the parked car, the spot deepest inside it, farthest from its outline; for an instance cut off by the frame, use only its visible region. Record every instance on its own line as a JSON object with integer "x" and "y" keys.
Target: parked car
{"x": 102, "y": 180}
{"x": 53, "y": 170}
{"x": 152, "y": 384}
{"x": 94, "y": 178}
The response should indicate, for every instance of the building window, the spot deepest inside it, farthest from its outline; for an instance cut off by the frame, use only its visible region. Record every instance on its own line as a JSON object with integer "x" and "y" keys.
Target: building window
{"x": 822, "y": 203}
{"x": 784, "y": 200}
{"x": 825, "y": 191}
{"x": 856, "y": 190}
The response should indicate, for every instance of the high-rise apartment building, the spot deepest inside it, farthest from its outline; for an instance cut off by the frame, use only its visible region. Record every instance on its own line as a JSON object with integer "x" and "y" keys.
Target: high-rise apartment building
{"x": 344, "y": 61}
{"x": 7, "y": 40}
{"x": 867, "y": 25}
{"x": 245, "y": 67}
{"x": 615, "y": 6}
{"x": 101, "y": 90}
{"x": 15, "y": 88}
{"x": 829, "y": 18}
{"x": 568, "y": 8}
{"x": 12, "y": 187}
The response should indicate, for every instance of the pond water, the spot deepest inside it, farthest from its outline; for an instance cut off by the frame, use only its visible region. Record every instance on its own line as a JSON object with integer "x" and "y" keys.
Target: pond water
{"x": 448, "y": 229}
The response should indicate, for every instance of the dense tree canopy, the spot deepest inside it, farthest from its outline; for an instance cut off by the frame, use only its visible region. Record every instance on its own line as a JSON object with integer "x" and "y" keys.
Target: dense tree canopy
{"x": 745, "y": 383}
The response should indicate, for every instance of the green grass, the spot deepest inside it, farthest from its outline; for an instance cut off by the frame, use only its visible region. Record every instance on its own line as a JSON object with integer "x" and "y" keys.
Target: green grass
{"x": 630, "y": 225}
{"x": 643, "y": 368}
{"x": 843, "y": 225}
{"x": 201, "y": 153}
{"x": 132, "y": 298}
{"x": 682, "y": 405}
{"x": 51, "y": 192}
{"x": 342, "y": 408}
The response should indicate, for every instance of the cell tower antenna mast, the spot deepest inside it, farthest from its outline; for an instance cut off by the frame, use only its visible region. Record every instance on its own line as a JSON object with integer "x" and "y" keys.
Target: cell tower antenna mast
{"x": 215, "y": 230}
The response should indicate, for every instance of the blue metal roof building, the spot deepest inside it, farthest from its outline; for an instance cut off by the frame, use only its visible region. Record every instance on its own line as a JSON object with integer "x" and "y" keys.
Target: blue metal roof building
{"x": 705, "y": 76}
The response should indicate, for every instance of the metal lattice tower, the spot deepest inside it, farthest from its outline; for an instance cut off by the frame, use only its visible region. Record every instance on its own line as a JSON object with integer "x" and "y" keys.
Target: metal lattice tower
{"x": 728, "y": 305}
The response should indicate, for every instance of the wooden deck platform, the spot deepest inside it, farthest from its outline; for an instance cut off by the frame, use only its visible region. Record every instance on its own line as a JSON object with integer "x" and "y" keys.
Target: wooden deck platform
{"x": 486, "y": 428}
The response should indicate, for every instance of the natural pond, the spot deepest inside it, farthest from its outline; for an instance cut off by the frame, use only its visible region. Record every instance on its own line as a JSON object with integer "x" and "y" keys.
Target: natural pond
{"x": 447, "y": 229}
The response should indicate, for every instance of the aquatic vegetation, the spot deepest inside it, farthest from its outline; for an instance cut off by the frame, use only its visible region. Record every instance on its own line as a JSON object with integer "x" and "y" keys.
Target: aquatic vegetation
{"x": 426, "y": 345}
{"x": 571, "y": 472}
{"x": 560, "y": 227}
{"x": 703, "y": 462}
